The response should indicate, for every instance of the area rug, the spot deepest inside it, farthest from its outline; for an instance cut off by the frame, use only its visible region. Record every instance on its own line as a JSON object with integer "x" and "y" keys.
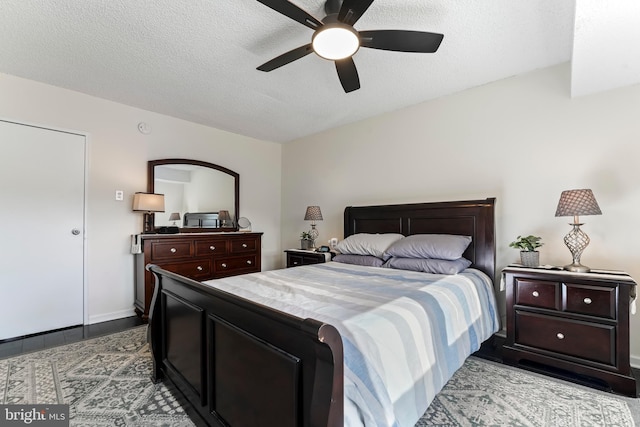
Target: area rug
{"x": 484, "y": 393}
{"x": 106, "y": 383}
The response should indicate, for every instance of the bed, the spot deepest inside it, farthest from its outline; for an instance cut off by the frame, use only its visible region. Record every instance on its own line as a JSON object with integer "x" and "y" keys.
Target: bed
{"x": 236, "y": 360}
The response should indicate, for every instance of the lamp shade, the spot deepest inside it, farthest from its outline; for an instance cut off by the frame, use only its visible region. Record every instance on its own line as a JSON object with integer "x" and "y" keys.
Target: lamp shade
{"x": 313, "y": 214}
{"x": 148, "y": 202}
{"x": 224, "y": 215}
{"x": 175, "y": 216}
{"x": 577, "y": 203}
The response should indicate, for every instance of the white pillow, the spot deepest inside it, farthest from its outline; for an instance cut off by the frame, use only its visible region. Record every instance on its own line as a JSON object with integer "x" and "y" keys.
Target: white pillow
{"x": 368, "y": 244}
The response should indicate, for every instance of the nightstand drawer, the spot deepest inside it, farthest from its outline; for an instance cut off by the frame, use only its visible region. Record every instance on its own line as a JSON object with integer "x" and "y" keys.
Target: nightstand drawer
{"x": 297, "y": 258}
{"x": 592, "y": 300}
{"x": 538, "y": 293}
{"x": 294, "y": 260}
{"x": 588, "y": 341}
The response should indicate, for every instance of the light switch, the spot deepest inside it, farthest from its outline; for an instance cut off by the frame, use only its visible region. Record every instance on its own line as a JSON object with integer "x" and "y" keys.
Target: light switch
{"x": 119, "y": 195}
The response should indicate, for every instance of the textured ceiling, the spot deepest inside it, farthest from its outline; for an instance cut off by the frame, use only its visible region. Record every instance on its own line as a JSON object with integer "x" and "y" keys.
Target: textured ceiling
{"x": 197, "y": 59}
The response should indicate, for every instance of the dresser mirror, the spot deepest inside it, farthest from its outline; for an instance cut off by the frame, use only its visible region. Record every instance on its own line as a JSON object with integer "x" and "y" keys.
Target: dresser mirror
{"x": 200, "y": 193}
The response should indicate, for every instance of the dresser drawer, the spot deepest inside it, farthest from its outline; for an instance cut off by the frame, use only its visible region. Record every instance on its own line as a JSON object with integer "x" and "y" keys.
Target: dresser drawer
{"x": 538, "y": 293}
{"x": 588, "y": 341}
{"x": 238, "y": 246}
{"x": 171, "y": 250}
{"x": 199, "y": 269}
{"x": 592, "y": 300}
{"x": 235, "y": 264}
{"x": 211, "y": 247}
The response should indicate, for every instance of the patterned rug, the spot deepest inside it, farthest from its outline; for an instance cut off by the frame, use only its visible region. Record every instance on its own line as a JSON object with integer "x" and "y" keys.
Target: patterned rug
{"x": 106, "y": 383}
{"x": 484, "y": 393}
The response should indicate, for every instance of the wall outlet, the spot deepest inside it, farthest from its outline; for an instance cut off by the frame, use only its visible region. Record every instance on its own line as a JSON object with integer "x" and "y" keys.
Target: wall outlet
{"x": 119, "y": 195}
{"x": 333, "y": 242}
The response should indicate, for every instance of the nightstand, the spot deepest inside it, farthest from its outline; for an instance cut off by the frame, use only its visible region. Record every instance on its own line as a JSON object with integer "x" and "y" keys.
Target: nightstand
{"x": 298, "y": 257}
{"x": 571, "y": 323}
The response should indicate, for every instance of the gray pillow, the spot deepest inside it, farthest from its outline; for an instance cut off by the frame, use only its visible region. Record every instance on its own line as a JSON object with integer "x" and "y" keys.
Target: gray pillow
{"x": 367, "y": 244}
{"x": 366, "y": 260}
{"x": 428, "y": 265}
{"x": 435, "y": 246}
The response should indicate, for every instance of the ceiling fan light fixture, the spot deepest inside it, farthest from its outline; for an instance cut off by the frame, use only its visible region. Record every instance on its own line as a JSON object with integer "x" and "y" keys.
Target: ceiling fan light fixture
{"x": 335, "y": 41}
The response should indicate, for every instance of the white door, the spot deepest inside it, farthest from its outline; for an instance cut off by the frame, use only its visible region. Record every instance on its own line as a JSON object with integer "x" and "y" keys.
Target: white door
{"x": 42, "y": 182}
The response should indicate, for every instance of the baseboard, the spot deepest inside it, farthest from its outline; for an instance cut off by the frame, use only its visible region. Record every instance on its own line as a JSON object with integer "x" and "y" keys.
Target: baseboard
{"x": 111, "y": 316}
{"x": 635, "y": 361}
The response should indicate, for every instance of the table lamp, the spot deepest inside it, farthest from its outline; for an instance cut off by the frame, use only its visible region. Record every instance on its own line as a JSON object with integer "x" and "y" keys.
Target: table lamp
{"x": 313, "y": 214}
{"x": 575, "y": 203}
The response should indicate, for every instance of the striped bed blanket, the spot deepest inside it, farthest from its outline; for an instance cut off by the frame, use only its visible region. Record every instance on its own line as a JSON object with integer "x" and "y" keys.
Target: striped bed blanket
{"x": 404, "y": 333}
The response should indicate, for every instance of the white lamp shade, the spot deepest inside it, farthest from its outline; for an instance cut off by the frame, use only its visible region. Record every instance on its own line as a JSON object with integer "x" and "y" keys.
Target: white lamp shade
{"x": 148, "y": 202}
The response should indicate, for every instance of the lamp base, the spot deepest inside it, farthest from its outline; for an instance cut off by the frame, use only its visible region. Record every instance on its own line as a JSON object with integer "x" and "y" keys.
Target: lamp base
{"x": 577, "y": 241}
{"x": 577, "y": 268}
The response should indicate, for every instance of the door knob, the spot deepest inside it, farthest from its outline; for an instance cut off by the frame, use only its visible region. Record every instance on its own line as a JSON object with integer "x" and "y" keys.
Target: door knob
{"x": 75, "y": 231}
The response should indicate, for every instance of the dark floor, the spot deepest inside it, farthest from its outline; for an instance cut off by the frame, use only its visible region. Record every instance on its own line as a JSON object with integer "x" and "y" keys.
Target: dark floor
{"x": 27, "y": 344}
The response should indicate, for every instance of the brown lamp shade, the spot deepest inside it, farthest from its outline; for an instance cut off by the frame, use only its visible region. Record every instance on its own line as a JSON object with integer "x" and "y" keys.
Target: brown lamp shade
{"x": 224, "y": 216}
{"x": 175, "y": 216}
{"x": 313, "y": 214}
{"x": 577, "y": 203}
{"x": 148, "y": 202}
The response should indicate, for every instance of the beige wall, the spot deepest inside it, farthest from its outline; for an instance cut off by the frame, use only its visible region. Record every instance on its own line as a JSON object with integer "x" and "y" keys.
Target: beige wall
{"x": 522, "y": 140}
{"x": 118, "y": 156}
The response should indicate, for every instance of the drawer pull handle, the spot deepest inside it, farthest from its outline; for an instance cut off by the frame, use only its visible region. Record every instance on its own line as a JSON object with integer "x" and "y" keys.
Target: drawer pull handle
{"x": 224, "y": 265}
{"x": 587, "y": 301}
{"x": 295, "y": 262}
{"x": 213, "y": 248}
{"x": 249, "y": 261}
{"x": 244, "y": 245}
{"x": 535, "y": 293}
{"x": 199, "y": 268}
{"x": 173, "y": 250}
{"x": 560, "y": 335}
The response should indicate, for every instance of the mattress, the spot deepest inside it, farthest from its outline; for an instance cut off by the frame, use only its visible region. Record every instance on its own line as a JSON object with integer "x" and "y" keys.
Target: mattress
{"x": 404, "y": 333}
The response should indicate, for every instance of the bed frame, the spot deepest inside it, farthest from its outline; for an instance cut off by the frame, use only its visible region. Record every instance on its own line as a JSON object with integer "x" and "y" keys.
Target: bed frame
{"x": 232, "y": 362}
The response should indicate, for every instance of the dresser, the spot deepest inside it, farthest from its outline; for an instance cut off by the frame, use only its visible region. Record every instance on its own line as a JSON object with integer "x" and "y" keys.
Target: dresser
{"x": 199, "y": 256}
{"x": 571, "y": 323}
{"x": 298, "y": 257}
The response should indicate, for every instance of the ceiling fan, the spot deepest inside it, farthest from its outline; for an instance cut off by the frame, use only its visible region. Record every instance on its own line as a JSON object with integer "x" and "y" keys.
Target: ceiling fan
{"x": 335, "y": 39}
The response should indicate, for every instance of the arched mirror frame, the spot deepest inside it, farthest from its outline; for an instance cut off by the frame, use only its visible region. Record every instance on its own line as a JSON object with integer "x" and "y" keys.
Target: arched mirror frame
{"x": 236, "y": 177}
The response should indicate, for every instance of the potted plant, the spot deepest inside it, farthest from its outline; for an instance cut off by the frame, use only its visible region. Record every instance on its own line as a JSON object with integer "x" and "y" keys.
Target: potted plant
{"x": 529, "y": 256}
{"x": 306, "y": 241}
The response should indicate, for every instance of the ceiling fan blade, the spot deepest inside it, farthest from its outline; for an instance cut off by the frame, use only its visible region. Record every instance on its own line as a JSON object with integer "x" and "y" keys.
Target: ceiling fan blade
{"x": 352, "y": 10}
{"x": 348, "y": 74}
{"x": 292, "y": 11}
{"x": 401, "y": 41}
{"x": 286, "y": 58}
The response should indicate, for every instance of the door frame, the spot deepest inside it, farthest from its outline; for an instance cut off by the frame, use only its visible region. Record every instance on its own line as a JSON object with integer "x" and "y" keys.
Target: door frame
{"x": 86, "y": 136}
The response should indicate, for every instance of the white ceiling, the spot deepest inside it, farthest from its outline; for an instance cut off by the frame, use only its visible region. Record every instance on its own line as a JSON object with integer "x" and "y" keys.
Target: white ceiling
{"x": 197, "y": 59}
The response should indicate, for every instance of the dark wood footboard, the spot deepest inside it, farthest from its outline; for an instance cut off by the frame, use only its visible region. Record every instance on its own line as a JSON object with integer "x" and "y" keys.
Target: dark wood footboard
{"x": 242, "y": 364}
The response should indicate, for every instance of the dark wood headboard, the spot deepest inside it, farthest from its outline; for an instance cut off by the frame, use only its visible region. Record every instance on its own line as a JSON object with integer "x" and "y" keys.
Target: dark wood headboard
{"x": 473, "y": 218}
